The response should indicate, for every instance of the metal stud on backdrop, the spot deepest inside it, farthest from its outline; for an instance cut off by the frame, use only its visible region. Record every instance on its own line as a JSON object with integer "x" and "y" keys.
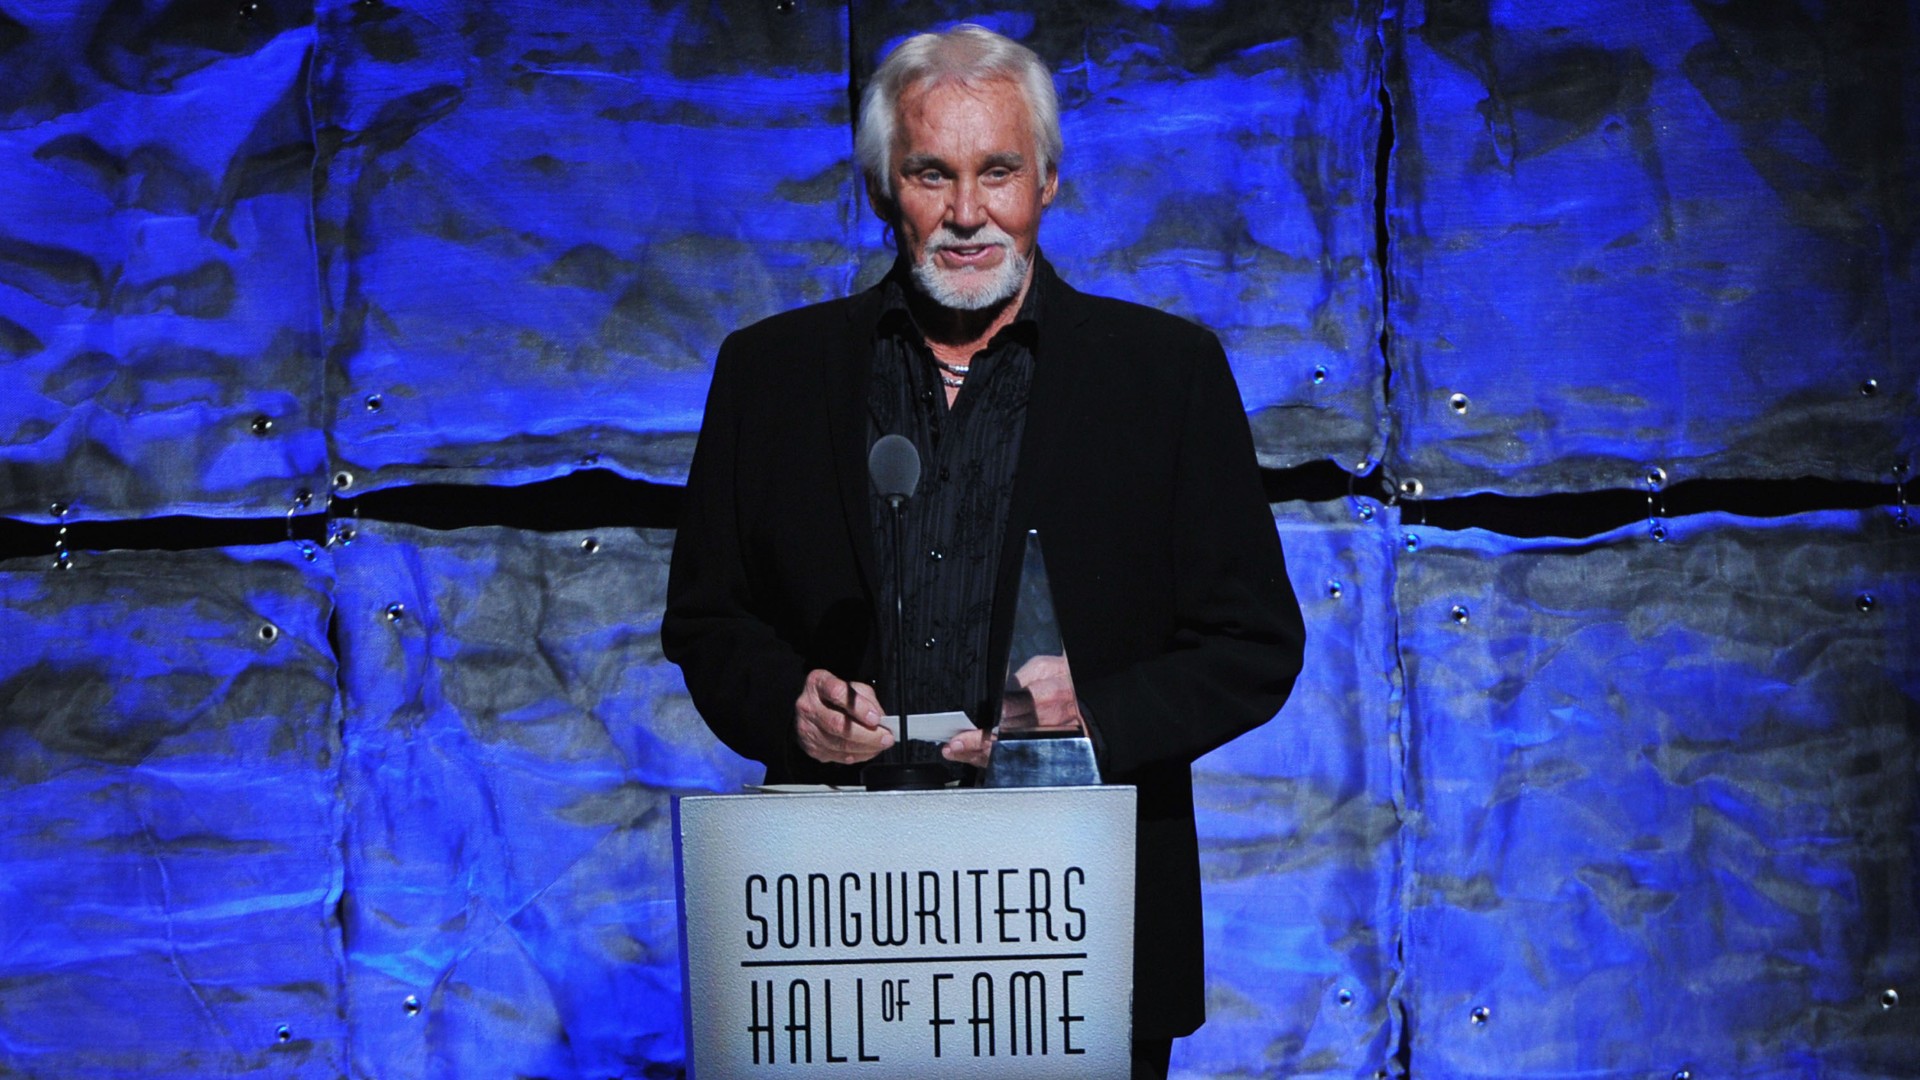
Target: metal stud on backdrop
{"x": 62, "y": 558}
{"x": 1901, "y": 518}
{"x": 1655, "y": 480}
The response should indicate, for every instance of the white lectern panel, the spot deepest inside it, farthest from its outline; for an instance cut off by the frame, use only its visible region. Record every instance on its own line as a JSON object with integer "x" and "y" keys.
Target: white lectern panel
{"x": 960, "y": 933}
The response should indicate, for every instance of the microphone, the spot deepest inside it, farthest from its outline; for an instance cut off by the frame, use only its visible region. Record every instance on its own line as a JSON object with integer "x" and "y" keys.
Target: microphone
{"x": 894, "y": 464}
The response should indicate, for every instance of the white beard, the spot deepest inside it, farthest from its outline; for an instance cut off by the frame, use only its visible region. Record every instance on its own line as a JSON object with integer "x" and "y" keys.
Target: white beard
{"x": 970, "y": 290}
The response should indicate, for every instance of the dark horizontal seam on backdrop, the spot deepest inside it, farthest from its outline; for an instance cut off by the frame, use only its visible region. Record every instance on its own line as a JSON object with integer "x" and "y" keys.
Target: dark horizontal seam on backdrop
{"x": 956, "y": 520}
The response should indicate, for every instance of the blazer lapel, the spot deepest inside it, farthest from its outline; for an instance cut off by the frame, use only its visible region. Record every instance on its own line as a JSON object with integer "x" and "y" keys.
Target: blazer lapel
{"x": 1056, "y": 358}
{"x": 848, "y": 370}
{"x": 1048, "y": 431}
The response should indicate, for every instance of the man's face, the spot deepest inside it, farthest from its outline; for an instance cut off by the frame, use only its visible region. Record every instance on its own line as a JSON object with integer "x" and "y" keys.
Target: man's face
{"x": 969, "y": 191}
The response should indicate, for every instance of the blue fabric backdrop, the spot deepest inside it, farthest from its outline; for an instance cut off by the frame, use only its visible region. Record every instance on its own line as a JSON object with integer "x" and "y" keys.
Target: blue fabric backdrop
{"x": 398, "y": 806}
{"x": 1681, "y": 237}
{"x": 1665, "y": 816}
{"x": 159, "y": 317}
{"x": 170, "y": 824}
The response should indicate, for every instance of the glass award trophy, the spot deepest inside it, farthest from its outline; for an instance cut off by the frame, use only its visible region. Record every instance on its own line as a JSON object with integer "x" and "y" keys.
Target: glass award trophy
{"x": 1031, "y": 748}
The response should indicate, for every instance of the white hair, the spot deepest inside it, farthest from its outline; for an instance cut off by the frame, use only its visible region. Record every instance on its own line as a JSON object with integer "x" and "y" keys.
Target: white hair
{"x": 966, "y": 54}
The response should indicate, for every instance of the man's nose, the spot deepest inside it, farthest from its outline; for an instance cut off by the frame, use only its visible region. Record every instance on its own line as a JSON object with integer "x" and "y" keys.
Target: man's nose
{"x": 968, "y": 210}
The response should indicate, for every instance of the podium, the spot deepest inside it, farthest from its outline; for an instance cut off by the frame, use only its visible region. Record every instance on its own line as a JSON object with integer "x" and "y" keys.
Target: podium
{"x": 956, "y": 933}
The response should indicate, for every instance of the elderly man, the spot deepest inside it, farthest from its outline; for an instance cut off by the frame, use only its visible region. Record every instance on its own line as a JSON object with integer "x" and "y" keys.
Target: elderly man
{"x": 1114, "y": 430}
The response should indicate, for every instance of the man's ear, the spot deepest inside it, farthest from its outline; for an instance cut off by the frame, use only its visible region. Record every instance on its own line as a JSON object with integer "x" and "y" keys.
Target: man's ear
{"x": 1051, "y": 188}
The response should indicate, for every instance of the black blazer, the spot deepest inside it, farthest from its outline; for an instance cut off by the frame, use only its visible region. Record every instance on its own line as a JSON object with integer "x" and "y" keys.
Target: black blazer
{"x": 1136, "y": 467}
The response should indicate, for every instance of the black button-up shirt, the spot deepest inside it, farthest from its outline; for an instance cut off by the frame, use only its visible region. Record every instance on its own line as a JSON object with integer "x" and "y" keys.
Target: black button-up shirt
{"x": 957, "y": 519}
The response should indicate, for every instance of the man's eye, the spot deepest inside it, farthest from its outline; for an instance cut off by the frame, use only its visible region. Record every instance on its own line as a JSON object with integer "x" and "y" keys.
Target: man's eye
{"x": 930, "y": 176}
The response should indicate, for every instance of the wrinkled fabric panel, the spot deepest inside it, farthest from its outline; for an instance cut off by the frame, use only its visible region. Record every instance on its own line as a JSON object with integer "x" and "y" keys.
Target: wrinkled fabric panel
{"x": 1218, "y": 165}
{"x": 157, "y": 297}
{"x": 538, "y": 219}
{"x": 1683, "y": 238}
{"x": 169, "y": 825}
{"x": 1297, "y": 824}
{"x": 1666, "y": 800}
{"x": 513, "y": 742}
{"x": 539, "y": 210}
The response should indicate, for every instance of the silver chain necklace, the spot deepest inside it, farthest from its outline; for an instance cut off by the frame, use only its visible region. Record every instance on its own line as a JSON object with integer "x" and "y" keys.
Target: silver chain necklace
{"x": 952, "y": 375}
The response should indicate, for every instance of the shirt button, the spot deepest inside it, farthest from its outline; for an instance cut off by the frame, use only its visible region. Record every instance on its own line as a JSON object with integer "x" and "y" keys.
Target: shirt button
{"x": 930, "y": 643}
{"x": 935, "y": 555}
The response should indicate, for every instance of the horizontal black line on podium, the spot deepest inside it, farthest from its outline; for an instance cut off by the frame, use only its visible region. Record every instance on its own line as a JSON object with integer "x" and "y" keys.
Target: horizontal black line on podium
{"x": 968, "y": 958}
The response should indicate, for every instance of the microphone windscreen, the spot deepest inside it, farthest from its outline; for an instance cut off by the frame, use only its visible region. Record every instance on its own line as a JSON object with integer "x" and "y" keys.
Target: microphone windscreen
{"x": 894, "y": 464}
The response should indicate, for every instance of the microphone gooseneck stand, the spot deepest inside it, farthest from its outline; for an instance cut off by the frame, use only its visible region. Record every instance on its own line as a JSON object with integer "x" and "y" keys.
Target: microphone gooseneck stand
{"x": 888, "y": 459}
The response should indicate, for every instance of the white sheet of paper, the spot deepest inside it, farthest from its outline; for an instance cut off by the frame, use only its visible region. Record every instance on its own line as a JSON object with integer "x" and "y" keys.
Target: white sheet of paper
{"x": 932, "y": 727}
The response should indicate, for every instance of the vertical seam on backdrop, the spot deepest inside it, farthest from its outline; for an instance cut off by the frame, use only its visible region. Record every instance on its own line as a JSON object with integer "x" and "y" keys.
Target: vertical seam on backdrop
{"x": 1399, "y": 1046}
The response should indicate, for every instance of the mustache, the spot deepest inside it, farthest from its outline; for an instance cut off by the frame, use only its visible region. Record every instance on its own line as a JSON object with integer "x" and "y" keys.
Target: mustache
{"x": 986, "y": 236}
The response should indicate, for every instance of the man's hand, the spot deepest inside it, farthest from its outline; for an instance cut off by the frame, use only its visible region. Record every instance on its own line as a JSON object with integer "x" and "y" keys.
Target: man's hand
{"x": 1048, "y": 700}
{"x": 839, "y": 721}
{"x": 969, "y": 747}
{"x": 1045, "y": 700}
